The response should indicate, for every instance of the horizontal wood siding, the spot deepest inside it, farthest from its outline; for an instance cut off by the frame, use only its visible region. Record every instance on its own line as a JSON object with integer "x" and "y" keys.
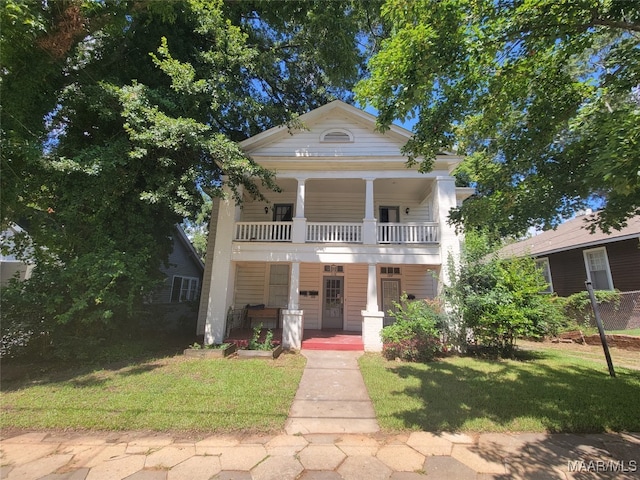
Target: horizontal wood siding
{"x": 254, "y": 211}
{"x": 345, "y": 207}
{"x": 310, "y": 279}
{"x": 419, "y": 280}
{"x": 355, "y": 295}
{"x": 624, "y": 261}
{"x": 567, "y": 272}
{"x": 250, "y": 284}
{"x": 417, "y": 212}
{"x": 306, "y": 143}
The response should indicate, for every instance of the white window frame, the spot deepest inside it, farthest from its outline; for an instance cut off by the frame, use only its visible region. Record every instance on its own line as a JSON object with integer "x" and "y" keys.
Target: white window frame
{"x": 336, "y": 135}
{"x": 606, "y": 263}
{"x": 188, "y": 292}
{"x": 543, "y": 264}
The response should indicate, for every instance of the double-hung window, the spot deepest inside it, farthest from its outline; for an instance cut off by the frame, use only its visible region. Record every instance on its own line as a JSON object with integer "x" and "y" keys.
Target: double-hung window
{"x": 279, "y": 285}
{"x": 597, "y": 266}
{"x": 184, "y": 289}
{"x": 543, "y": 266}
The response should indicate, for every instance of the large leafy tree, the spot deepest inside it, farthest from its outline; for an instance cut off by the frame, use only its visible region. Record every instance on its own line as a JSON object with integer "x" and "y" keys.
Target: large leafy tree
{"x": 117, "y": 116}
{"x": 542, "y": 95}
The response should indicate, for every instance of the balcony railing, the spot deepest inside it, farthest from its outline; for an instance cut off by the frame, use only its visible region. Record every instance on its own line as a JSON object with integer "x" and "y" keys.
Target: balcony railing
{"x": 407, "y": 233}
{"x": 263, "y": 231}
{"x": 331, "y": 232}
{"x": 326, "y": 232}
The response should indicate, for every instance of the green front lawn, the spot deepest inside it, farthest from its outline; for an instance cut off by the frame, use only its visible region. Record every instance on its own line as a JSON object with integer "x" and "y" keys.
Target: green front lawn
{"x": 168, "y": 394}
{"x": 548, "y": 392}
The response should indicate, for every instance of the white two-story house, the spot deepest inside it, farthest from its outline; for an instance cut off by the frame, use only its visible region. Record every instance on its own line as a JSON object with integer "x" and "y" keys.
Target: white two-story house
{"x": 352, "y": 229}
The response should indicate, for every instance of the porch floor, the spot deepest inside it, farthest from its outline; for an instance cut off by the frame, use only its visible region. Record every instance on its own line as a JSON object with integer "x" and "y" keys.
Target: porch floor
{"x": 311, "y": 339}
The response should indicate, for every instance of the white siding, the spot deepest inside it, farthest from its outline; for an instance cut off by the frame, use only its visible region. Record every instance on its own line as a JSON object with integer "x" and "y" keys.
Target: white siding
{"x": 356, "y": 295}
{"x": 419, "y": 280}
{"x": 311, "y": 279}
{"x": 322, "y": 207}
{"x": 306, "y": 143}
{"x": 250, "y": 284}
{"x": 418, "y": 212}
{"x": 253, "y": 211}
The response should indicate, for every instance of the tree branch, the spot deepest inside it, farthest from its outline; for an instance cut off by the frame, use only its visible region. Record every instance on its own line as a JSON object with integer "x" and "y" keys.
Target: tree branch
{"x": 604, "y": 22}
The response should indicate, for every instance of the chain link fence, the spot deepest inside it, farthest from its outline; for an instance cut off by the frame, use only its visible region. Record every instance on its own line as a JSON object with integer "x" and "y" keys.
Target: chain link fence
{"x": 619, "y": 313}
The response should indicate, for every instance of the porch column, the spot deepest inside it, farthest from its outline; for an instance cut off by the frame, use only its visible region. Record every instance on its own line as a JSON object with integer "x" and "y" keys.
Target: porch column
{"x": 372, "y": 318}
{"x": 445, "y": 200}
{"x": 369, "y": 236}
{"x": 222, "y": 273}
{"x": 292, "y": 317}
{"x": 298, "y": 234}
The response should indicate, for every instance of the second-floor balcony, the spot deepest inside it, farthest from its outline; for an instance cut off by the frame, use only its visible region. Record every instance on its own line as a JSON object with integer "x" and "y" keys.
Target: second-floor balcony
{"x": 338, "y": 232}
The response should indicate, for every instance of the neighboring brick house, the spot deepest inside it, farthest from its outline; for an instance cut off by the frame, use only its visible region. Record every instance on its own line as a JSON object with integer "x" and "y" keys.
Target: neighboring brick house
{"x": 352, "y": 228}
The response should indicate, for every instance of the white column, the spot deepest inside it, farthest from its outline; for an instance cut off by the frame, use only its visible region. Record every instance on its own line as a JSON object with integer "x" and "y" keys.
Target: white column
{"x": 300, "y": 198}
{"x": 445, "y": 200}
{"x": 372, "y": 289}
{"x": 294, "y": 286}
{"x": 292, "y": 317}
{"x": 372, "y": 317}
{"x": 369, "y": 236}
{"x": 298, "y": 234}
{"x": 222, "y": 274}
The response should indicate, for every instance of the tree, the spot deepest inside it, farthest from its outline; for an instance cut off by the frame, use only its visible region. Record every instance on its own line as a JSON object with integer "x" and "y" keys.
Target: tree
{"x": 542, "y": 95}
{"x": 116, "y": 116}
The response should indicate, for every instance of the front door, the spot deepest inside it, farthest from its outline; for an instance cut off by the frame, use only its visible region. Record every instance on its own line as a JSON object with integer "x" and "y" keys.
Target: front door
{"x": 333, "y": 303}
{"x": 390, "y": 296}
{"x": 388, "y": 215}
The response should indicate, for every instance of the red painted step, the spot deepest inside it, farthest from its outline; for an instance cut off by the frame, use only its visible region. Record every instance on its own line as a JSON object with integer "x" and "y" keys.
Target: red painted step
{"x": 323, "y": 340}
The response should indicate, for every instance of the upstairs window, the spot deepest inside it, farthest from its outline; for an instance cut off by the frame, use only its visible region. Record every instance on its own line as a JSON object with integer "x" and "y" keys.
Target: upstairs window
{"x": 336, "y": 135}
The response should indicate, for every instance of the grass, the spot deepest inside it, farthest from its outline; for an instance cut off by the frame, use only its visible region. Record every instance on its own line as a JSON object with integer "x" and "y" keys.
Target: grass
{"x": 634, "y": 332}
{"x": 164, "y": 394}
{"x": 548, "y": 392}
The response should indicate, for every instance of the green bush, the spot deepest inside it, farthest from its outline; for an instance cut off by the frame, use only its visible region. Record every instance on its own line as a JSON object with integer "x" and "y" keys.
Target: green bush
{"x": 415, "y": 335}
{"x": 499, "y": 300}
{"x": 578, "y": 311}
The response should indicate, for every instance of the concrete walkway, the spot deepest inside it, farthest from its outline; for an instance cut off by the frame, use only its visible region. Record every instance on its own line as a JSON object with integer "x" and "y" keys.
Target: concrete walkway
{"x": 332, "y": 397}
{"x": 415, "y": 456}
{"x": 332, "y": 434}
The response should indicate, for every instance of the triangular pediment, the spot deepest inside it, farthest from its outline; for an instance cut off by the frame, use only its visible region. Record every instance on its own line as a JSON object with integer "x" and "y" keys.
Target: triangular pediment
{"x": 333, "y": 130}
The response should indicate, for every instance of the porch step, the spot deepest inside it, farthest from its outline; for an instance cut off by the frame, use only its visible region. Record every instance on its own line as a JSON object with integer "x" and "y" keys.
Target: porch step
{"x": 335, "y": 342}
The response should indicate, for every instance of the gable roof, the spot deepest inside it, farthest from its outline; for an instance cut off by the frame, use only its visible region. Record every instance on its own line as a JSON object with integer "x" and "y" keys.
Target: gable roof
{"x": 335, "y": 107}
{"x": 570, "y": 235}
{"x": 336, "y": 117}
{"x": 186, "y": 243}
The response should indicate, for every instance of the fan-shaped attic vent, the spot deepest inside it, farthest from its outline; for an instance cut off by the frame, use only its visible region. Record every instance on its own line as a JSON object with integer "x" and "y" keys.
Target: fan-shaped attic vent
{"x": 336, "y": 135}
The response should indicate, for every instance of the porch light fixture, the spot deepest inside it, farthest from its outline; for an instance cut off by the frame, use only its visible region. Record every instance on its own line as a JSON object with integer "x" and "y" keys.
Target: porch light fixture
{"x": 406, "y": 210}
{"x": 266, "y": 210}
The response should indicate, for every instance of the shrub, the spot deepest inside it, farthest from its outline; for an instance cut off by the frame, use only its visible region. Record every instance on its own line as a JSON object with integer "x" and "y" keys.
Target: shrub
{"x": 415, "y": 335}
{"x": 256, "y": 344}
{"x": 577, "y": 307}
{"x": 500, "y": 300}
